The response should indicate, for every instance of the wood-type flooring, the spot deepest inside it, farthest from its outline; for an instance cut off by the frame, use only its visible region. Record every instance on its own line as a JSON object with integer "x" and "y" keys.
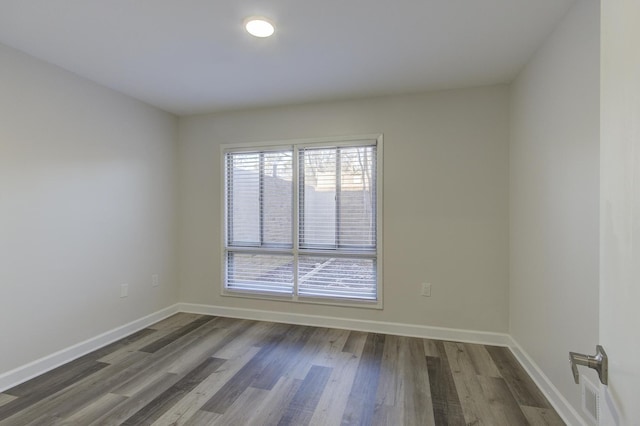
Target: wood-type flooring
{"x": 201, "y": 370}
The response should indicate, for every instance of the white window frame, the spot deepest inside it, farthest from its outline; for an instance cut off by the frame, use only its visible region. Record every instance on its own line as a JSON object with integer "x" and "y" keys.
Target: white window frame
{"x": 295, "y": 144}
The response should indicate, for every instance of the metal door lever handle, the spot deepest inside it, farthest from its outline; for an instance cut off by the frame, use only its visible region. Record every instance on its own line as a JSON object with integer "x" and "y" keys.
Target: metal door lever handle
{"x": 598, "y": 362}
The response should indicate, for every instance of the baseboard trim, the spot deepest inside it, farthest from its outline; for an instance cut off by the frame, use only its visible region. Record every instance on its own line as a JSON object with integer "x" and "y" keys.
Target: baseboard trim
{"x": 410, "y": 330}
{"x": 559, "y": 402}
{"x": 28, "y": 371}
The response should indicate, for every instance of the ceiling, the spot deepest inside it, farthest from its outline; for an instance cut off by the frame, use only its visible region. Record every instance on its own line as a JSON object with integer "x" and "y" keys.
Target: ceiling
{"x": 193, "y": 56}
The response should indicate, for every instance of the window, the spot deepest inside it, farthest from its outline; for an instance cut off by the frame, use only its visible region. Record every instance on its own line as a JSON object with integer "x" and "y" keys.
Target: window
{"x": 302, "y": 221}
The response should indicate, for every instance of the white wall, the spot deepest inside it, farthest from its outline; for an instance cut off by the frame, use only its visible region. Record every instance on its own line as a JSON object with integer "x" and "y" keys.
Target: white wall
{"x": 554, "y": 198}
{"x": 87, "y": 198}
{"x": 445, "y": 201}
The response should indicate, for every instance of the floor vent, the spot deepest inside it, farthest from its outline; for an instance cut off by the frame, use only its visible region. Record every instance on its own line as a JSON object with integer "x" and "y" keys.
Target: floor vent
{"x": 590, "y": 400}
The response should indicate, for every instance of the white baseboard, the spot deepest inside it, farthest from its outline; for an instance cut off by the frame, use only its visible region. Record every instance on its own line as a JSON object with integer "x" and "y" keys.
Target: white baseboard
{"x": 559, "y": 402}
{"x": 28, "y": 371}
{"x": 411, "y": 330}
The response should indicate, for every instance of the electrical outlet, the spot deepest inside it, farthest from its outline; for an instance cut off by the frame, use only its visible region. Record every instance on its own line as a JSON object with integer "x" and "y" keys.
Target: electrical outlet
{"x": 124, "y": 290}
{"x": 155, "y": 280}
{"x": 426, "y": 290}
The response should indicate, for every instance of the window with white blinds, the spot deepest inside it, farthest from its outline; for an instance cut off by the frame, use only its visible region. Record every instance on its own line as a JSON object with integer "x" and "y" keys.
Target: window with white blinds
{"x": 302, "y": 222}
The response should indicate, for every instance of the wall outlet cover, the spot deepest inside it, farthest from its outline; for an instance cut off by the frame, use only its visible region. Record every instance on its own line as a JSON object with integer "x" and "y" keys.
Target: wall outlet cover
{"x": 426, "y": 290}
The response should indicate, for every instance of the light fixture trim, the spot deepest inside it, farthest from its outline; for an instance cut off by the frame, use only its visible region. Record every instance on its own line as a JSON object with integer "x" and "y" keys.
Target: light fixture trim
{"x": 259, "y": 26}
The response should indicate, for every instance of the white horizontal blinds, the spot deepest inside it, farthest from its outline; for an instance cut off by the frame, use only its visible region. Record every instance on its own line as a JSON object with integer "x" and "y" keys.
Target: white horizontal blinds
{"x": 262, "y": 273}
{"x": 318, "y": 201}
{"x": 259, "y": 216}
{"x": 357, "y": 198}
{"x": 338, "y": 198}
{"x": 259, "y": 199}
{"x": 337, "y": 218}
{"x": 337, "y": 277}
{"x": 277, "y": 199}
{"x": 243, "y": 199}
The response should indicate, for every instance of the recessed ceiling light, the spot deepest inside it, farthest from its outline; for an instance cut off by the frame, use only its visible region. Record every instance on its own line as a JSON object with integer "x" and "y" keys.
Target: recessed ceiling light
{"x": 259, "y": 26}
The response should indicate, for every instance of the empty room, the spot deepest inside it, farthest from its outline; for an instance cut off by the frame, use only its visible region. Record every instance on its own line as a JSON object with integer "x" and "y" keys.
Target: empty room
{"x": 341, "y": 212}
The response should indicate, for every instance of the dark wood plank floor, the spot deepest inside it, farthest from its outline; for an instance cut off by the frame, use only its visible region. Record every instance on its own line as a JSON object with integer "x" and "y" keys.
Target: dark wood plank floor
{"x": 201, "y": 370}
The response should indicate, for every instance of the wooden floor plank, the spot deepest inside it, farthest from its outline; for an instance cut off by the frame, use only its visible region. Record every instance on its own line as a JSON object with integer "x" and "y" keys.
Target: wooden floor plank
{"x": 205, "y": 347}
{"x": 481, "y": 361}
{"x": 202, "y": 418}
{"x": 521, "y": 385}
{"x": 503, "y": 405}
{"x": 155, "y": 334}
{"x": 171, "y": 337}
{"x": 355, "y": 342}
{"x": 250, "y": 337}
{"x": 334, "y": 398}
{"x": 122, "y": 343}
{"x": 447, "y": 409}
{"x": 390, "y": 380}
{"x": 285, "y": 354}
{"x": 362, "y": 398}
{"x": 542, "y": 416}
{"x": 162, "y": 403}
{"x": 191, "y": 349}
{"x": 135, "y": 403}
{"x": 81, "y": 393}
{"x": 237, "y": 413}
{"x": 332, "y": 349}
{"x": 417, "y": 400}
{"x": 475, "y": 405}
{"x": 231, "y": 390}
{"x": 430, "y": 348}
{"x": 198, "y": 370}
{"x": 175, "y": 321}
{"x": 187, "y": 407}
{"x": 58, "y": 379}
{"x": 395, "y": 382}
{"x": 317, "y": 343}
{"x": 4, "y": 398}
{"x": 302, "y": 406}
{"x": 42, "y": 388}
{"x": 271, "y": 410}
{"x": 92, "y": 412}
